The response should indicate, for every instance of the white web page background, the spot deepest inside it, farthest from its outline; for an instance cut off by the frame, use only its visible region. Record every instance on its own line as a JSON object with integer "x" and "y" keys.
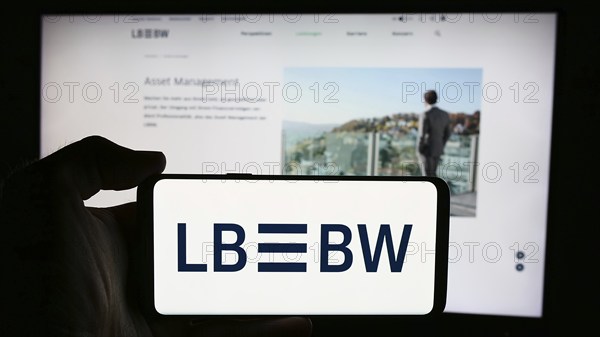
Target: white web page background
{"x": 112, "y": 54}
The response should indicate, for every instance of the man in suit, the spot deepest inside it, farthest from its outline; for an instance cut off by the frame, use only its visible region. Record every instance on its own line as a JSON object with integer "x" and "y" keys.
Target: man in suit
{"x": 436, "y": 131}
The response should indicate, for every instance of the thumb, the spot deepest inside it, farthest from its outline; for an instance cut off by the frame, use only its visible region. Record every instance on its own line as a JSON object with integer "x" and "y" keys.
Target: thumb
{"x": 95, "y": 163}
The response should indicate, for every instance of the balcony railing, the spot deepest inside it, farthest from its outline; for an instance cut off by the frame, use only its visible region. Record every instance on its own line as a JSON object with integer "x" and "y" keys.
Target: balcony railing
{"x": 380, "y": 154}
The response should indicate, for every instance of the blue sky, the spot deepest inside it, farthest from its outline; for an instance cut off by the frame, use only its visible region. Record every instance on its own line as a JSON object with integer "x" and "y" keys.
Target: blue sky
{"x": 374, "y": 92}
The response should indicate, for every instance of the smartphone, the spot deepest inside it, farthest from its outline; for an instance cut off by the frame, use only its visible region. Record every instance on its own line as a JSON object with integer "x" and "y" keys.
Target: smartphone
{"x": 242, "y": 244}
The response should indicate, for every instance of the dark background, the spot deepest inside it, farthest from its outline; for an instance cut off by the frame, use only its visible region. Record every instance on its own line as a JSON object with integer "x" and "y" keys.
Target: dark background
{"x": 571, "y": 298}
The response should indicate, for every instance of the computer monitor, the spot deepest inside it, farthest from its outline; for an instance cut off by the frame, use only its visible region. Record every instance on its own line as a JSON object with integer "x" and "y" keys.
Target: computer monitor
{"x": 333, "y": 94}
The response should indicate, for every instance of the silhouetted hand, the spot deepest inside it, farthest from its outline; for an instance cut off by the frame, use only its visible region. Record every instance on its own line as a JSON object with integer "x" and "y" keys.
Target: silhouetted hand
{"x": 65, "y": 267}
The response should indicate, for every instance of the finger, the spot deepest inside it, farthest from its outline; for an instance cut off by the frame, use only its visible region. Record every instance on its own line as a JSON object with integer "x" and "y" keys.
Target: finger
{"x": 281, "y": 326}
{"x": 95, "y": 163}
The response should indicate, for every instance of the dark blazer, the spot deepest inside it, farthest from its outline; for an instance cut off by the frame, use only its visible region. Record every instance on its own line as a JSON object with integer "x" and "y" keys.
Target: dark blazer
{"x": 436, "y": 130}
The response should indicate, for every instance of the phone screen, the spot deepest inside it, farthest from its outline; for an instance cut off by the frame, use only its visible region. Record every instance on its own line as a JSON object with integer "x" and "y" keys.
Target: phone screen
{"x": 289, "y": 245}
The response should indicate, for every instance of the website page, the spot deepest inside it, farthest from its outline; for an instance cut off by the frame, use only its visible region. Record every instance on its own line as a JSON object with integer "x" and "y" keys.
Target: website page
{"x": 333, "y": 94}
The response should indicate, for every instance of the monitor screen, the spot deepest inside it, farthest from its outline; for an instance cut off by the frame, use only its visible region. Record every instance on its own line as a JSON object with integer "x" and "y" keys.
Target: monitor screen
{"x": 333, "y": 94}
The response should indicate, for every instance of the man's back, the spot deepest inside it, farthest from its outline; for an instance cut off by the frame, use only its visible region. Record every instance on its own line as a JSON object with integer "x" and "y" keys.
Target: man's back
{"x": 437, "y": 128}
